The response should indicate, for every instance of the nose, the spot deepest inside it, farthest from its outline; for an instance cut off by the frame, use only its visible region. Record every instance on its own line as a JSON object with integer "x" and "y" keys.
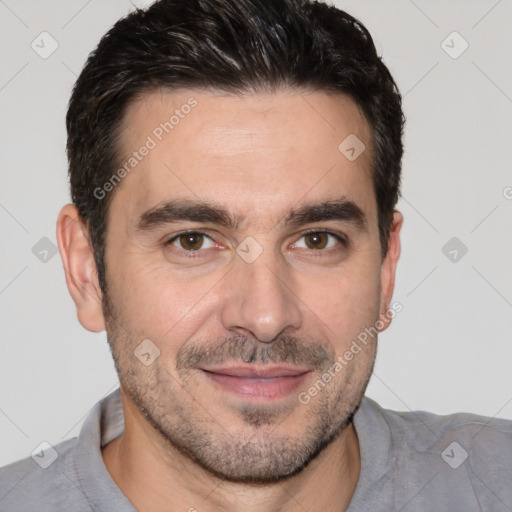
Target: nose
{"x": 259, "y": 300}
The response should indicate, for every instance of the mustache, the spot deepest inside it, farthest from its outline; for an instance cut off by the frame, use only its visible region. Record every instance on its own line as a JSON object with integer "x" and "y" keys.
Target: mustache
{"x": 285, "y": 349}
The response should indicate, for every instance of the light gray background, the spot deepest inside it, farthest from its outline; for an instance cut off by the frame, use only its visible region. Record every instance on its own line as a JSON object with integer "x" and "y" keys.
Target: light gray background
{"x": 448, "y": 350}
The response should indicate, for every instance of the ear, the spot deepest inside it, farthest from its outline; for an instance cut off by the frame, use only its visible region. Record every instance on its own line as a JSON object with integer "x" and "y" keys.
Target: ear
{"x": 80, "y": 268}
{"x": 388, "y": 269}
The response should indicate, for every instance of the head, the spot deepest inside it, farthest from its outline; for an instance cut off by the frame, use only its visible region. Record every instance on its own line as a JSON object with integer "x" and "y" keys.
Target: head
{"x": 234, "y": 171}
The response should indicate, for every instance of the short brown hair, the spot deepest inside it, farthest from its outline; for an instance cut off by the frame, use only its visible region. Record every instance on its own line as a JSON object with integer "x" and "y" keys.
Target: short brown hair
{"x": 233, "y": 46}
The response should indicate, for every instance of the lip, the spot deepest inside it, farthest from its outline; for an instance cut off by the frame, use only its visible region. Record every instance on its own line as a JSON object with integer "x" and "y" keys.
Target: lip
{"x": 258, "y": 383}
{"x": 262, "y": 372}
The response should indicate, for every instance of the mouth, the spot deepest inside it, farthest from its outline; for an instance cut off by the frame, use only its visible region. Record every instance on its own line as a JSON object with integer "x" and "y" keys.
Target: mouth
{"x": 258, "y": 383}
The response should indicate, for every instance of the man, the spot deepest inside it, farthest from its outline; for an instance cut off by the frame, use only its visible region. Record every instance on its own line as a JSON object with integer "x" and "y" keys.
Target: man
{"x": 234, "y": 169}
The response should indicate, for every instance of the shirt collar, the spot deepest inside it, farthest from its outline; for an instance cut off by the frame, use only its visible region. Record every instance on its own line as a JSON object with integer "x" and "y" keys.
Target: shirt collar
{"x": 104, "y": 423}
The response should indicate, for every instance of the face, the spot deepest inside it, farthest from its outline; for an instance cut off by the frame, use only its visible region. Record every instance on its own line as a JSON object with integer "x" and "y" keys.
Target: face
{"x": 243, "y": 247}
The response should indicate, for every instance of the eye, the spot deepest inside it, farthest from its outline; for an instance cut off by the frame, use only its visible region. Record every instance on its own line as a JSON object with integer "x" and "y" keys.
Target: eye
{"x": 191, "y": 241}
{"x": 320, "y": 241}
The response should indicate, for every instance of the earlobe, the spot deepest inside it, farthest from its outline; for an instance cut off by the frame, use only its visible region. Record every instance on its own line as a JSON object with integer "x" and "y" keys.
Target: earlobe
{"x": 388, "y": 269}
{"x": 80, "y": 268}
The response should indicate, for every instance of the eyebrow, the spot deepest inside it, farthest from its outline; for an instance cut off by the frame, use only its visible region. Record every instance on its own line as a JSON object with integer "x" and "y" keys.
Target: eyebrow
{"x": 341, "y": 209}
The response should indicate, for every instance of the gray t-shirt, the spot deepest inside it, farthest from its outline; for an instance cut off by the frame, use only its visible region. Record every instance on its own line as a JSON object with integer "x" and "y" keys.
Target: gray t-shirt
{"x": 410, "y": 461}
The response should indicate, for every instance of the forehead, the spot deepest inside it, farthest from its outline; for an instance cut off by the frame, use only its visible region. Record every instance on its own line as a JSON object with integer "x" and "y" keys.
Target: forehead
{"x": 257, "y": 153}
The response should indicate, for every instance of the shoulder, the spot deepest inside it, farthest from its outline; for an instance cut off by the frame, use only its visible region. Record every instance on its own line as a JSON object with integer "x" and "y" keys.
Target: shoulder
{"x": 421, "y": 430}
{"x": 46, "y": 478}
{"x": 462, "y": 457}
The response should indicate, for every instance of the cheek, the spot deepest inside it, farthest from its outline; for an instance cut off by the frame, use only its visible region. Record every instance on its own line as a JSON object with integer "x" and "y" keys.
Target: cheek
{"x": 155, "y": 304}
{"x": 346, "y": 303}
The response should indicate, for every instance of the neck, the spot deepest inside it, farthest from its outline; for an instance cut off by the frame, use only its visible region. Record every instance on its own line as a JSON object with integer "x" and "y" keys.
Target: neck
{"x": 155, "y": 476}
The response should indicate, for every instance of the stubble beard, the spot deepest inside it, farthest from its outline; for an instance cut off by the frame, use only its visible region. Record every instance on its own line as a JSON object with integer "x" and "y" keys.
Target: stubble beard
{"x": 259, "y": 451}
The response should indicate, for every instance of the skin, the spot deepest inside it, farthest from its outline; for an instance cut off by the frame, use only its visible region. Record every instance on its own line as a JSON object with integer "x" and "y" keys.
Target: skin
{"x": 301, "y": 301}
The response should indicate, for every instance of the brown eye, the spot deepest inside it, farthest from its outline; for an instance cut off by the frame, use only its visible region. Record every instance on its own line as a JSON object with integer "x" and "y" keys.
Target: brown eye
{"x": 321, "y": 241}
{"x": 316, "y": 240}
{"x": 191, "y": 244}
{"x": 191, "y": 241}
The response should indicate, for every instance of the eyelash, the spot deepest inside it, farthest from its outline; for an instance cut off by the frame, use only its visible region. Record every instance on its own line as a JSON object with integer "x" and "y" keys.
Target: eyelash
{"x": 188, "y": 254}
{"x": 196, "y": 254}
